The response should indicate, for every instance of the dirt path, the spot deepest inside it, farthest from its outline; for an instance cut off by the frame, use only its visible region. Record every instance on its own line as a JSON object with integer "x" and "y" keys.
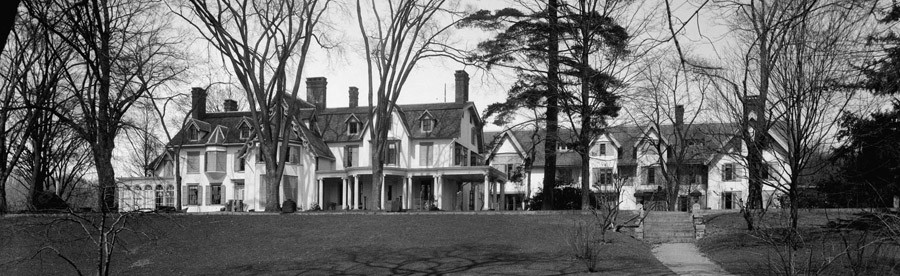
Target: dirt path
{"x": 685, "y": 259}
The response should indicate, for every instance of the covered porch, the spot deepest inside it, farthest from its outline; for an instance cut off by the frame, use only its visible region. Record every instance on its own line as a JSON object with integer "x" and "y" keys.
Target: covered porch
{"x": 472, "y": 188}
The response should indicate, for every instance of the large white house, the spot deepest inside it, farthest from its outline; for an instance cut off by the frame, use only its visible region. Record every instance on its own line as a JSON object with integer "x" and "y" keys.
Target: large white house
{"x": 433, "y": 159}
{"x": 710, "y": 157}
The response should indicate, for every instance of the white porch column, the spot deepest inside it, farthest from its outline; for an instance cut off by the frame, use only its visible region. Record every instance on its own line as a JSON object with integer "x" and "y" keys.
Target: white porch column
{"x": 381, "y": 200}
{"x": 487, "y": 194}
{"x": 344, "y": 186}
{"x": 355, "y": 192}
{"x": 406, "y": 188}
{"x": 439, "y": 191}
{"x": 319, "y": 192}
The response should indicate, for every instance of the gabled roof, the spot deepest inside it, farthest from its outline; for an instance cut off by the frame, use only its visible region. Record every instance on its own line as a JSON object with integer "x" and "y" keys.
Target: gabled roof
{"x": 710, "y": 138}
{"x": 447, "y": 116}
{"x": 330, "y": 124}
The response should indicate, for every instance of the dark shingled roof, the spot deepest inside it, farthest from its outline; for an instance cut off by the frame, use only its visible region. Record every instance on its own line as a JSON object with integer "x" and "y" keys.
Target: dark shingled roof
{"x": 330, "y": 123}
{"x": 713, "y": 137}
{"x": 447, "y": 118}
{"x": 230, "y": 122}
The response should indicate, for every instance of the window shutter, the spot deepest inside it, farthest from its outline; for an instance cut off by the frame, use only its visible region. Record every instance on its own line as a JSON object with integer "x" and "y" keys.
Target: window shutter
{"x": 207, "y": 195}
{"x": 738, "y": 171}
{"x": 184, "y": 195}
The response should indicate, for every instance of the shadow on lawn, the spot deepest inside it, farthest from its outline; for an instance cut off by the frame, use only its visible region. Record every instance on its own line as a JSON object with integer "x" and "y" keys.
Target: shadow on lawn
{"x": 462, "y": 259}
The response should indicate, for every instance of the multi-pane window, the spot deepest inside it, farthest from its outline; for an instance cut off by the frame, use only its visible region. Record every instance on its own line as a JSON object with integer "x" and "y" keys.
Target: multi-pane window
{"x": 603, "y": 176}
{"x": 245, "y": 131}
{"x": 160, "y": 195}
{"x": 193, "y": 194}
{"x": 215, "y": 161}
{"x": 294, "y": 154}
{"x": 728, "y": 172}
{"x": 764, "y": 171}
{"x": 392, "y": 153}
{"x": 599, "y": 149}
{"x": 193, "y": 162}
{"x": 651, "y": 175}
{"x": 353, "y": 126}
{"x": 427, "y": 124}
{"x": 215, "y": 195}
{"x": 351, "y": 156}
{"x": 194, "y": 133}
{"x": 170, "y": 195}
{"x": 460, "y": 155}
{"x": 474, "y": 137}
{"x": 240, "y": 163}
{"x": 426, "y": 153}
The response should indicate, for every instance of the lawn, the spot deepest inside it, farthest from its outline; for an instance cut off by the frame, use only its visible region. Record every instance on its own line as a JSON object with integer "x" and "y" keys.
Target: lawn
{"x": 326, "y": 244}
{"x": 824, "y": 250}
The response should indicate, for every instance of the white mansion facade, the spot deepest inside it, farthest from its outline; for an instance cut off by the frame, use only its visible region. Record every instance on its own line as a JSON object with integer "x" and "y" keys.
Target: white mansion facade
{"x": 437, "y": 157}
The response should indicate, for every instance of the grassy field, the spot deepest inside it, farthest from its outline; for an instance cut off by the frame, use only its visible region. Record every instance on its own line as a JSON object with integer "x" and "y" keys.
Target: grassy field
{"x": 327, "y": 244}
{"x": 824, "y": 250}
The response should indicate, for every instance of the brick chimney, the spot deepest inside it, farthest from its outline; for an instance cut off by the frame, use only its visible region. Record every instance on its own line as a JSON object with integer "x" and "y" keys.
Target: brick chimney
{"x": 198, "y": 103}
{"x": 679, "y": 115}
{"x": 354, "y": 96}
{"x": 315, "y": 91}
{"x": 462, "y": 86}
{"x": 230, "y": 105}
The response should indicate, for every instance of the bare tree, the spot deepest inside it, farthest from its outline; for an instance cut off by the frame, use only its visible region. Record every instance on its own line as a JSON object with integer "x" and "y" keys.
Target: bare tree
{"x": 811, "y": 92}
{"x": 397, "y": 34}
{"x": 114, "y": 42}
{"x": 261, "y": 42}
{"x": 666, "y": 91}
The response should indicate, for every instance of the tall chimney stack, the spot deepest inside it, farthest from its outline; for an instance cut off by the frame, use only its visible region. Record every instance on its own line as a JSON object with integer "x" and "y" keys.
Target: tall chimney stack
{"x": 462, "y": 86}
{"x": 754, "y": 109}
{"x": 679, "y": 115}
{"x": 315, "y": 91}
{"x": 354, "y": 96}
{"x": 230, "y": 105}
{"x": 198, "y": 103}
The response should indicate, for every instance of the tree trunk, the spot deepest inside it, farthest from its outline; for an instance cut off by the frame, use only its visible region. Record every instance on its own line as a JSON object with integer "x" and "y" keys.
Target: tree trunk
{"x": 552, "y": 109}
{"x": 3, "y": 205}
{"x": 754, "y": 198}
{"x": 177, "y": 171}
{"x": 106, "y": 177}
{"x": 272, "y": 185}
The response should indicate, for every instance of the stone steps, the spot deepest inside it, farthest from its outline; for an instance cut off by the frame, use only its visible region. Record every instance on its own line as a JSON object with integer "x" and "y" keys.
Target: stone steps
{"x": 668, "y": 227}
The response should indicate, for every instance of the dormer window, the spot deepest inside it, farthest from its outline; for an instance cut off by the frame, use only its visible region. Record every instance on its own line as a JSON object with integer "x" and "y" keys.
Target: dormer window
{"x": 353, "y": 125}
{"x": 194, "y": 133}
{"x": 245, "y": 131}
{"x": 426, "y": 122}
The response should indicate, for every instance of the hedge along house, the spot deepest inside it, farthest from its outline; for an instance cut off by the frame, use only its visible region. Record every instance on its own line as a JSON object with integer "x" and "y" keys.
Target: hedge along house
{"x": 434, "y": 158}
{"x": 710, "y": 155}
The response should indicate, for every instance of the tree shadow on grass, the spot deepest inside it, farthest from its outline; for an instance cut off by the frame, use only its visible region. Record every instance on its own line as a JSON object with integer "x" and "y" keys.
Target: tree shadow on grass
{"x": 459, "y": 259}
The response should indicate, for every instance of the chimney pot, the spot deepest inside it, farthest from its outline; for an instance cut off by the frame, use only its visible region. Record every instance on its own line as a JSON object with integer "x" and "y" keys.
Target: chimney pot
{"x": 230, "y": 105}
{"x": 316, "y": 91}
{"x": 354, "y": 96}
{"x": 198, "y": 103}
{"x": 462, "y": 86}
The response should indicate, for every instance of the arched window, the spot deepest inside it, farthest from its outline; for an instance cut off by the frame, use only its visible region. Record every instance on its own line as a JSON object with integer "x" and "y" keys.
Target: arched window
{"x": 137, "y": 197}
{"x": 170, "y": 195}
{"x": 148, "y": 197}
{"x": 160, "y": 196}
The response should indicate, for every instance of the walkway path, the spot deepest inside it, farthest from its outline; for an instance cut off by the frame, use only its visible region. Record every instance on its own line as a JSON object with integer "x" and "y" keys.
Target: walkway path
{"x": 685, "y": 259}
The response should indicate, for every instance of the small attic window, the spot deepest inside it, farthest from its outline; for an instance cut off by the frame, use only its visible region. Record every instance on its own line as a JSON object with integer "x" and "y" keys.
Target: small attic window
{"x": 193, "y": 133}
{"x": 427, "y": 123}
{"x": 245, "y": 131}
{"x": 353, "y": 126}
